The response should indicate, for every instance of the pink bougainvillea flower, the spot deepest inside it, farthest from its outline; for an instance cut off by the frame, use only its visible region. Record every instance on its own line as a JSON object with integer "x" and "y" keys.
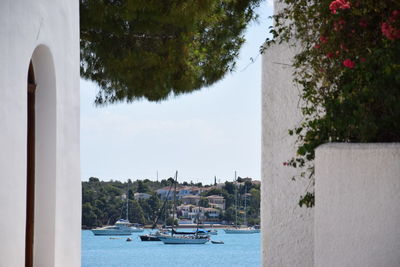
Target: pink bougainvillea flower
{"x": 323, "y": 39}
{"x": 317, "y": 46}
{"x": 363, "y": 23}
{"x": 338, "y": 25}
{"x": 388, "y": 30}
{"x": 330, "y": 55}
{"x": 338, "y": 4}
{"x": 348, "y": 63}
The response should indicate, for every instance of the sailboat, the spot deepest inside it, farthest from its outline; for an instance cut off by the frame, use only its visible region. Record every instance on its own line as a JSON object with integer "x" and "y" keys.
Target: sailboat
{"x": 121, "y": 227}
{"x": 154, "y": 236}
{"x": 238, "y": 229}
{"x": 183, "y": 238}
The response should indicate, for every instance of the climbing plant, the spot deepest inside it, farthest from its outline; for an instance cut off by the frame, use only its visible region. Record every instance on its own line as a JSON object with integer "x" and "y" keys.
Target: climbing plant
{"x": 348, "y": 67}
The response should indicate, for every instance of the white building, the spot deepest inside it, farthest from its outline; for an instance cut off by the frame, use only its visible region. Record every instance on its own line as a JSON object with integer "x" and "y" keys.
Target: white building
{"x": 287, "y": 229}
{"x": 190, "y": 200}
{"x": 41, "y": 38}
{"x": 165, "y": 193}
{"x": 193, "y": 212}
{"x": 181, "y": 192}
{"x": 138, "y": 196}
{"x": 216, "y": 202}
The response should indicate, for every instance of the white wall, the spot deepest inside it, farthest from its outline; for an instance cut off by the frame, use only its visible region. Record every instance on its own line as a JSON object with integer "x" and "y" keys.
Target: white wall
{"x": 357, "y": 212}
{"x": 26, "y": 25}
{"x": 287, "y": 229}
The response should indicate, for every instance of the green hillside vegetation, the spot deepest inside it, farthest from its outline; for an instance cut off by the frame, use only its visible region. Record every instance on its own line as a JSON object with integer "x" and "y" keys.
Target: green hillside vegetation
{"x": 104, "y": 202}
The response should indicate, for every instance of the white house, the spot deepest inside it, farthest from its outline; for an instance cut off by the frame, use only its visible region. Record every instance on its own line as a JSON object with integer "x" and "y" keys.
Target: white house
{"x": 40, "y": 192}
{"x": 165, "y": 193}
{"x": 139, "y": 196}
{"x": 190, "y": 199}
{"x": 216, "y": 202}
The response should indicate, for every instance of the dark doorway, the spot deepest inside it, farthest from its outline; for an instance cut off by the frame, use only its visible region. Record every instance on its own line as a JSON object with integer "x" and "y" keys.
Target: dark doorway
{"x": 30, "y": 189}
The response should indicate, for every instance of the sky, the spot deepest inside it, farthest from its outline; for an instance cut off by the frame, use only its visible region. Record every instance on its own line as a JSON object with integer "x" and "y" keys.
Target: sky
{"x": 212, "y": 132}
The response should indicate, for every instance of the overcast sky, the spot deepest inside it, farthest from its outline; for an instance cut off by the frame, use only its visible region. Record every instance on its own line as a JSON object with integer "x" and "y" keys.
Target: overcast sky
{"x": 212, "y": 132}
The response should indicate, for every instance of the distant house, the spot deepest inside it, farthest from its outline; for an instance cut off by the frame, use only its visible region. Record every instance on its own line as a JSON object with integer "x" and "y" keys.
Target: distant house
{"x": 204, "y": 213}
{"x": 216, "y": 202}
{"x": 163, "y": 193}
{"x": 211, "y": 213}
{"x": 138, "y": 196}
{"x": 185, "y": 210}
{"x": 190, "y": 200}
{"x": 181, "y": 192}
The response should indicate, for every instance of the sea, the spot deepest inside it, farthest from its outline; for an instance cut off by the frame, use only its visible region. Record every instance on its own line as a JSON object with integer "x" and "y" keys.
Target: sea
{"x": 237, "y": 250}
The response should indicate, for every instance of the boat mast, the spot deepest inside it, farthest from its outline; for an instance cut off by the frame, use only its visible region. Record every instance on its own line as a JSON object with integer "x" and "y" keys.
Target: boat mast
{"x": 127, "y": 203}
{"x": 174, "y": 207}
{"x": 236, "y": 201}
{"x": 245, "y": 206}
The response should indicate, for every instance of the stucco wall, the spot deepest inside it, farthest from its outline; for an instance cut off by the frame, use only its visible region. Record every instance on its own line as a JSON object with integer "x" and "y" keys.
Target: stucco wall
{"x": 53, "y": 24}
{"x": 357, "y": 212}
{"x": 287, "y": 229}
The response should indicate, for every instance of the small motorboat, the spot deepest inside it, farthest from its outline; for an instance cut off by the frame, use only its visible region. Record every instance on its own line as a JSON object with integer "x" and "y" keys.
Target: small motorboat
{"x": 212, "y": 232}
{"x": 217, "y": 242}
{"x": 128, "y": 239}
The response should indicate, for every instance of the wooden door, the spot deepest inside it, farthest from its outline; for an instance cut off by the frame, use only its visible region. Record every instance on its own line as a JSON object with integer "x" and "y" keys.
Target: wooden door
{"x": 30, "y": 190}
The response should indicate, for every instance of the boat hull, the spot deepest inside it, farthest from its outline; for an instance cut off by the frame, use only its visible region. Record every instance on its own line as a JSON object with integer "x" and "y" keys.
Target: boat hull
{"x": 109, "y": 232}
{"x": 241, "y": 231}
{"x": 115, "y": 231}
{"x": 149, "y": 238}
{"x": 182, "y": 240}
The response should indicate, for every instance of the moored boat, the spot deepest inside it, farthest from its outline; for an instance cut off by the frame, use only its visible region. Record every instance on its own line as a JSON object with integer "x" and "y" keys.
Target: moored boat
{"x": 213, "y": 232}
{"x": 153, "y": 236}
{"x": 121, "y": 227}
{"x": 184, "y": 239}
{"x": 245, "y": 230}
{"x": 197, "y": 237}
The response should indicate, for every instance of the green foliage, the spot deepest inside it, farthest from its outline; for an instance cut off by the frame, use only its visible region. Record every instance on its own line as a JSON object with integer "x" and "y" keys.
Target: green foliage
{"x": 136, "y": 213}
{"x": 170, "y": 220}
{"x": 203, "y": 202}
{"x": 104, "y": 202}
{"x": 142, "y": 187}
{"x": 348, "y": 66}
{"x": 229, "y": 214}
{"x": 136, "y": 49}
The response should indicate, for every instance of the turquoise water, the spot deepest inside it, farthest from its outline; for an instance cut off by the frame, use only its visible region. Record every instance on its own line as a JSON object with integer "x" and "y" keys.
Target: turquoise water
{"x": 238, "y": 250}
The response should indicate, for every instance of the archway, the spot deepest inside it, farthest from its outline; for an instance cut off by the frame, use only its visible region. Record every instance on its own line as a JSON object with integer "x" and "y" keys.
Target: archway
{"x": 41, "y": 160}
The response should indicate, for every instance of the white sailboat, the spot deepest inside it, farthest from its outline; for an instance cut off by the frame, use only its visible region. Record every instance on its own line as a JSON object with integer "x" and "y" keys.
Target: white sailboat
{"x": 121, "y": 227}
{"x": 175, "y": 237}
{"x": 241, "y": 229}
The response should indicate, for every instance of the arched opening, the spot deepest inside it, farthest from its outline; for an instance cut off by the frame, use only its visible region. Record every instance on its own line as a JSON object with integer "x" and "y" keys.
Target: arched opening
{"x": 41, "y": 160}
